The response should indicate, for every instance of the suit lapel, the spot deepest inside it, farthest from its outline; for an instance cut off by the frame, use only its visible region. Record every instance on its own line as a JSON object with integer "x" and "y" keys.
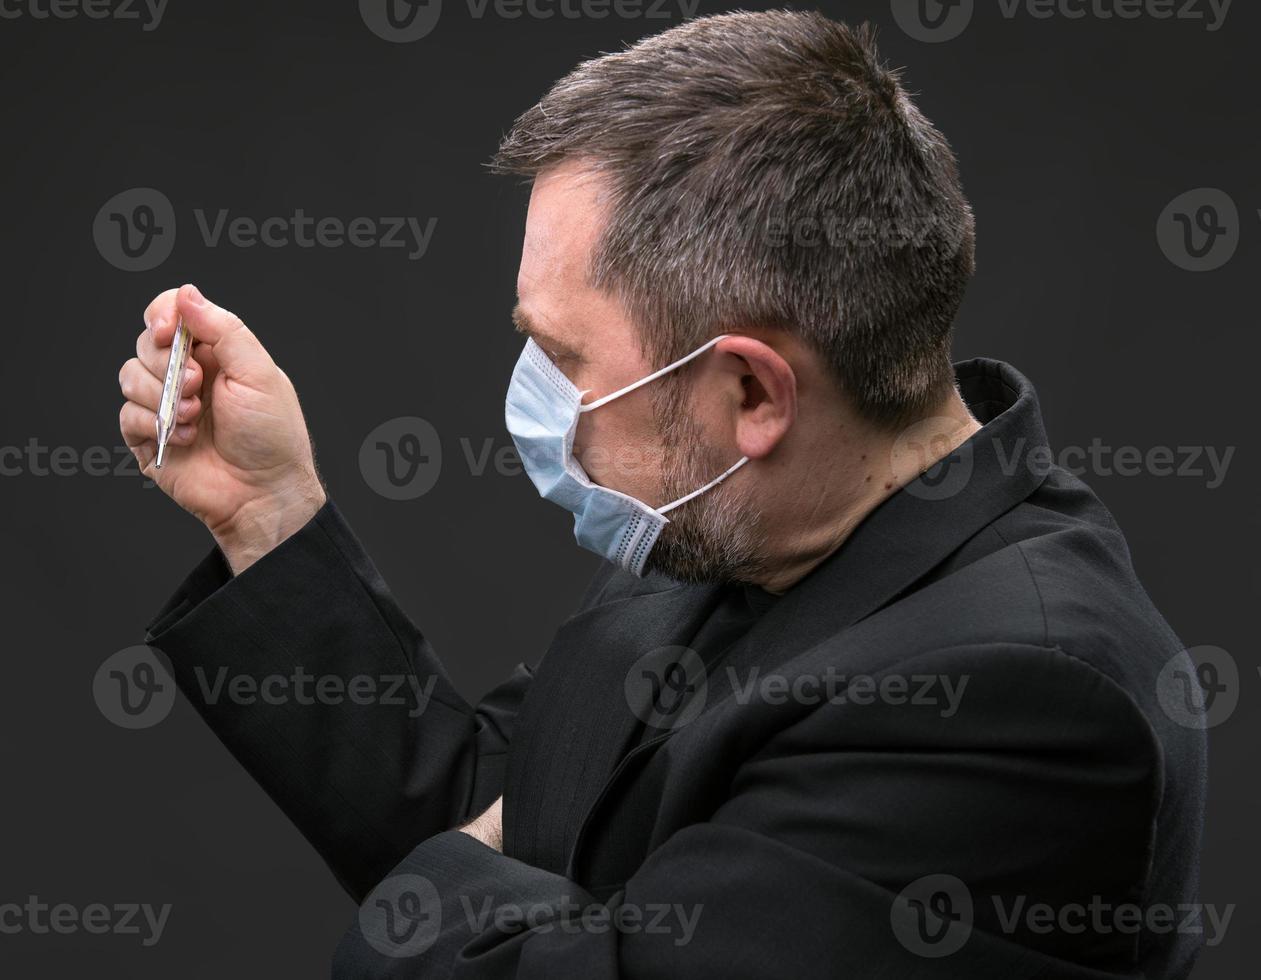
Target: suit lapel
{"x": 576, "y": 723}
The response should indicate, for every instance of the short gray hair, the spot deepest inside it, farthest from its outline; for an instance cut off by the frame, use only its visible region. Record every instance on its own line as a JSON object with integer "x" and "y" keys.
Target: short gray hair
{"x": 766, "y": 169}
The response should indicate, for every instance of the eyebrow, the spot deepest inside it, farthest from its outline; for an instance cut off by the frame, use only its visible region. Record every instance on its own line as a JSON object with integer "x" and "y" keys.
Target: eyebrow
{"x": 523, "y": 324}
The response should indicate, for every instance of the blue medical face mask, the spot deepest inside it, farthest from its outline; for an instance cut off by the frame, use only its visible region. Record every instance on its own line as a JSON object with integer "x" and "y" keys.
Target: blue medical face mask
{"x": 542, "y": 411}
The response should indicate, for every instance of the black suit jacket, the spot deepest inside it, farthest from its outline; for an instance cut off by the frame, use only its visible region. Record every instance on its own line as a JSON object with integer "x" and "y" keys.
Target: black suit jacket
{"x": 813, "y": 803}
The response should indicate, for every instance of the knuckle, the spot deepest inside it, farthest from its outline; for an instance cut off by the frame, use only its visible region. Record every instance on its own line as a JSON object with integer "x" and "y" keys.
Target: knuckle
{"x": 160, "y": 305}
{"x": 161, "y": 300}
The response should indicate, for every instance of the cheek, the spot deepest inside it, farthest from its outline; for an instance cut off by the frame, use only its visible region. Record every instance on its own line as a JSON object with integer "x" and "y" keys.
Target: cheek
{"x": 621, "y": 453}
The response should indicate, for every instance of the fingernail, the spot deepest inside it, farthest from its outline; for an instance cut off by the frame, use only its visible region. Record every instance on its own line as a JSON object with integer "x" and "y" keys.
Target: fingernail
{"x": 188, "y": 375}
{"x": 156, "y": 324}
{"x": 186, "y": 406}
{"x": 194, "y": 295}
{"x": 184, "y": 431}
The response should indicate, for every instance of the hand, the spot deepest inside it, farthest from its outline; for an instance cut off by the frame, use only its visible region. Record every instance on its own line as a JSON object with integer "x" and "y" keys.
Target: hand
{"x": 240, "y": 458}
{"x": 489, "y": 827}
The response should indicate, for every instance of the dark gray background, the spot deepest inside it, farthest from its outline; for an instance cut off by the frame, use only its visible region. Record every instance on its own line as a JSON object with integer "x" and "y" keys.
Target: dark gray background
{"x": 1073, "y": 136}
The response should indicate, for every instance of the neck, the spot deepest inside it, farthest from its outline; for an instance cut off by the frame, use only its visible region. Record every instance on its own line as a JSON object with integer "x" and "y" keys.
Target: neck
{"x": 843, "y": 477}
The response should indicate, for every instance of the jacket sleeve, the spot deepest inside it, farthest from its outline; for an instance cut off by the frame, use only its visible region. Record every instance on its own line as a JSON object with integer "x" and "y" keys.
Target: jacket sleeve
{"x": 312, "y": 676}
{"x": 860, "y": 840}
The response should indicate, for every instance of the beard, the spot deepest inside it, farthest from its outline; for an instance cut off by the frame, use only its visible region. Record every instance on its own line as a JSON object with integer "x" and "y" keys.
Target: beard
{"x": 713, "y": 538}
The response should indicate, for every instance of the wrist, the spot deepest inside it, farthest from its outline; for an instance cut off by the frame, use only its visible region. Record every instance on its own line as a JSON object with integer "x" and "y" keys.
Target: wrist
{"x": 264, "y": 523}
{"x": 488, "y": 834}
{"x": 488, "y": 827}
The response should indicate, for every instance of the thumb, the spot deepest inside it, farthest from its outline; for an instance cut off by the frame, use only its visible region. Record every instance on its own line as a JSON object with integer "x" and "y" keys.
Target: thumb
{"x": 236, "y": 349}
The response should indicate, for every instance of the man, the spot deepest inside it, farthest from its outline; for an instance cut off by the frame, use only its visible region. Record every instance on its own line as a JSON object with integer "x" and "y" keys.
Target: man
{"x": 861, "y": 685}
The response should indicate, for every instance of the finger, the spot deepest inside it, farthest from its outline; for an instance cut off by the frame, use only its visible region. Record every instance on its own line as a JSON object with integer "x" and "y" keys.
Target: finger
{"x": 156, "y": 358}
{"x": 139, "y": 425}
{"x": 207, "y": 366}
{"x": 235, "y": 347}
{"x": 145, "y": 453}
{"x": 160, "y": 317}
{"x": 138, "y": 384}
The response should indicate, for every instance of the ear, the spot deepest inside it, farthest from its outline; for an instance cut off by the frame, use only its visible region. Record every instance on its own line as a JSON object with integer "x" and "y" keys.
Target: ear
{"x": 768, "y": 388}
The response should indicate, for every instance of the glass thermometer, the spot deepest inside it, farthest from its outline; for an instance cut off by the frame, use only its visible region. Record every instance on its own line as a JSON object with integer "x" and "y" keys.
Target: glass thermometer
{"x": 172, "y": 387}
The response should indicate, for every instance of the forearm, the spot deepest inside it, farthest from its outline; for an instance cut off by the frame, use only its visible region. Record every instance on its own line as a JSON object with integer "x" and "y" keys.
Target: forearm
{"x": 310, "y": 674}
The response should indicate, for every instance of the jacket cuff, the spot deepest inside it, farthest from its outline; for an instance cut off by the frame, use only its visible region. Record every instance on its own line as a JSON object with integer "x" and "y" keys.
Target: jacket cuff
{"x": 475, "y": 907}
{"x": 210, "y": 575}
{"x": 211, "y": 583}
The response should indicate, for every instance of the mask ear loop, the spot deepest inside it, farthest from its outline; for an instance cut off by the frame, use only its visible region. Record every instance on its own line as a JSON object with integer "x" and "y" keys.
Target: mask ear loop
{"x": 648, "y": 380}
{"x": 708, "y": 486}
{"x": 652, "y": 377}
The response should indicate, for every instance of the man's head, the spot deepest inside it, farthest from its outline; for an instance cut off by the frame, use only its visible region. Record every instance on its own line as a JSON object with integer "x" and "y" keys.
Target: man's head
{"x": 752, "y": 174}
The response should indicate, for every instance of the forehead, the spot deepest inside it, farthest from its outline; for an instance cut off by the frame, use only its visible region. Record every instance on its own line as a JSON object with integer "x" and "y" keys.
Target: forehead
{"x": 554, "y": 295}
{"x": 562, "y": 229}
